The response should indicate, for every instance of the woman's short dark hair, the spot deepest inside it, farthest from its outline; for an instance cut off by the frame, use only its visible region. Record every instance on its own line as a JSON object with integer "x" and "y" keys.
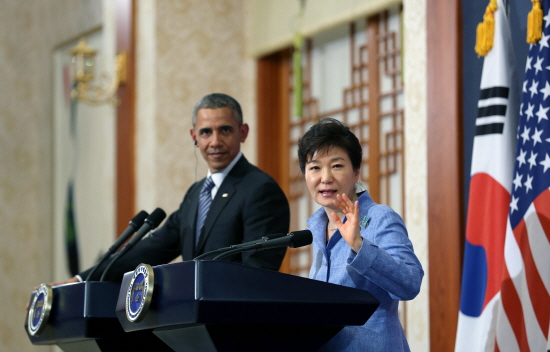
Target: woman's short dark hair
{"x": 326, "y": 134}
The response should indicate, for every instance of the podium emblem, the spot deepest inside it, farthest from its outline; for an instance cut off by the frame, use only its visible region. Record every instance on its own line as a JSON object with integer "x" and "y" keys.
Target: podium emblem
{"x": 39, "y": 310}
{"x": 139, "y": 293}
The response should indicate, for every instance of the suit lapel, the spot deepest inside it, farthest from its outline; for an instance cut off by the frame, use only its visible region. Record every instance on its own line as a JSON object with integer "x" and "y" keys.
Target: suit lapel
{"x": 224, "y": 194}
{"x": 226, "y": 191}
{"x": 188, "y": 223}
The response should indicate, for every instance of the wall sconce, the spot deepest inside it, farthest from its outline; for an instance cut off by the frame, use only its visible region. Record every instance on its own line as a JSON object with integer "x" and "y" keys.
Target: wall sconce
{"x": 83, "y": 61}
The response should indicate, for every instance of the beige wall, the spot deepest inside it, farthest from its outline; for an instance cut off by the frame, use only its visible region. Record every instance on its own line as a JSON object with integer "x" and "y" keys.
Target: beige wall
{"x": 416, "y": 164}
{"x": 30, "y": 30}
{"x": 274, "y": 22}
{"x": 185, "y": 49}
{"x": 197, "y": 48}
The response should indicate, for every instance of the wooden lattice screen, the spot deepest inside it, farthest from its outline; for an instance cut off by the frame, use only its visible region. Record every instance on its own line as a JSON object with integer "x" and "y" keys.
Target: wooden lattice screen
{"x": 371, "y": 105}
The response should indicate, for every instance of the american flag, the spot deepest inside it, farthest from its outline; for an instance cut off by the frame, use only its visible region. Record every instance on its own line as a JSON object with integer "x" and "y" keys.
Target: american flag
{"x": 524, "y": 309}
{"x": 490, "y": 188}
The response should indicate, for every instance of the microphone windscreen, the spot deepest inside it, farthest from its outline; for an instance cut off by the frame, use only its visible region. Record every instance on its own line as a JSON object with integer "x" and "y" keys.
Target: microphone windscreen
{"x": 139, "y": 219}
{"x": 156, "y": 217}
{"x": 301, "y": 238}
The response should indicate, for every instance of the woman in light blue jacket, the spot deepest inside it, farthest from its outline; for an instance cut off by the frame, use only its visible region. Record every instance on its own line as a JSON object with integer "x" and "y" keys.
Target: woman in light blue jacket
{"x": 356, "y": 242}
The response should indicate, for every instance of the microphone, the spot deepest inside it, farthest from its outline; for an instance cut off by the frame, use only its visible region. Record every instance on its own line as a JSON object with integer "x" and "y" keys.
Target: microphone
{"x": 235, "y": 246}
{"x": 134, "y": 224}
{"x": 293, "y": 240}
{"x": 150, "y": 223}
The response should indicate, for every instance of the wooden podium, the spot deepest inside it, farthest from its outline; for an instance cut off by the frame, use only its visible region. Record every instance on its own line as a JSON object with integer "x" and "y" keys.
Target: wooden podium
{"x": 212, "y": 306}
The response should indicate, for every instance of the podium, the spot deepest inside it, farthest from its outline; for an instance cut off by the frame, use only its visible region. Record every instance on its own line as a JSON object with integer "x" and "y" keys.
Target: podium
{"x": 214, "y": 306}
{"x": 82, "y": 318}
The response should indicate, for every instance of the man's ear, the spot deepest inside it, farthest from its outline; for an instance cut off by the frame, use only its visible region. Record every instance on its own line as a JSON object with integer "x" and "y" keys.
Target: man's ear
{"x": 193, "y": 137}
{"x": 244, "y": 131}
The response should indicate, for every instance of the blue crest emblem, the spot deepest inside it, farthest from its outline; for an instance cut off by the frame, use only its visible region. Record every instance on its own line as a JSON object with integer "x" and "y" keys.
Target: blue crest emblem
{"x": 139, "y": 293}
{"x": 39, "y": 310}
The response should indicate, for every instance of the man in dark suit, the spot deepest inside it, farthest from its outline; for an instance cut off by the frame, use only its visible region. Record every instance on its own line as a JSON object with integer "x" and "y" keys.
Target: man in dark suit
{"x": 246, "y": 203}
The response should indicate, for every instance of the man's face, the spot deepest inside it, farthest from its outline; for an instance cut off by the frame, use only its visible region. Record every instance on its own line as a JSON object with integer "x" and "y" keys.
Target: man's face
{"x": 218, "y": 136}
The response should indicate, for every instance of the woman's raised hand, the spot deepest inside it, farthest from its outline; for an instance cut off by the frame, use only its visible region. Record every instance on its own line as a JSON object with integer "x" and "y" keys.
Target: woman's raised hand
{"x": 350, "y": 229}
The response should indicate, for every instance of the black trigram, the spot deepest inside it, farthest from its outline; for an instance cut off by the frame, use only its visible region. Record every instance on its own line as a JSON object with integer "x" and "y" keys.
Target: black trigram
{"x": 491, "y": 110}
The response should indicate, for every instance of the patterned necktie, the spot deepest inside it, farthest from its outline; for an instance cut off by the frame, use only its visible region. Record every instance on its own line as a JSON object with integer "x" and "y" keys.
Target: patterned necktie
{"x": 205, "y": 199}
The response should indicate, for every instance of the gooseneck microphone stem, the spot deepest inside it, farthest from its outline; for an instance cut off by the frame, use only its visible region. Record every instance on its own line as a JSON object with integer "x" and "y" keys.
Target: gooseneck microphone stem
{"x": 113, "y": 260}
{"x": 136, "y": 222}
{"x": 294, "y": 240}
{"x": 236, "y": 246}
{"x": 150, "y": 223}
{"x": 236, "y": 250}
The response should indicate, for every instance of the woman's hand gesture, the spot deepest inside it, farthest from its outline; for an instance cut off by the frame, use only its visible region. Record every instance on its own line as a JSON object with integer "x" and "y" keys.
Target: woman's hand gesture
{"x": 350, "y": 229}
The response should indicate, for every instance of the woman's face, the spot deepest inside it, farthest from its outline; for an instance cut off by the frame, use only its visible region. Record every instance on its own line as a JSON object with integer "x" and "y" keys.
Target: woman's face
{"x": 329, "y": 173}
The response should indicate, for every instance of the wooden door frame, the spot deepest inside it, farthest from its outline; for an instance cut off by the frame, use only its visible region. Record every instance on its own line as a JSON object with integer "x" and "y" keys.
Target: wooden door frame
{"x": 273, "y": 121}
{"x": 445, "y": 169}
{"x": 125, "y": 117}
{"x": 273, "y": 116}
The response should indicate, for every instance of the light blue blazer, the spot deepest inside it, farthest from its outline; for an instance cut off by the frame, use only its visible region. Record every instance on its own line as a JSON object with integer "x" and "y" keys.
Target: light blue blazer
{"x": 385, "y": 266}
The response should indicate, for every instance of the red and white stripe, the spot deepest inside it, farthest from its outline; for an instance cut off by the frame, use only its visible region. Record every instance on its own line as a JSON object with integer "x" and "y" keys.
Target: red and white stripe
{"x": 524, "y": 310}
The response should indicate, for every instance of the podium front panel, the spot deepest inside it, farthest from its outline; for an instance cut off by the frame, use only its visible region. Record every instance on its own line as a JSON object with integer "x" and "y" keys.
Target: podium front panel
{"x": 220, "y": 292}
{"x": 83, "y": 318}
